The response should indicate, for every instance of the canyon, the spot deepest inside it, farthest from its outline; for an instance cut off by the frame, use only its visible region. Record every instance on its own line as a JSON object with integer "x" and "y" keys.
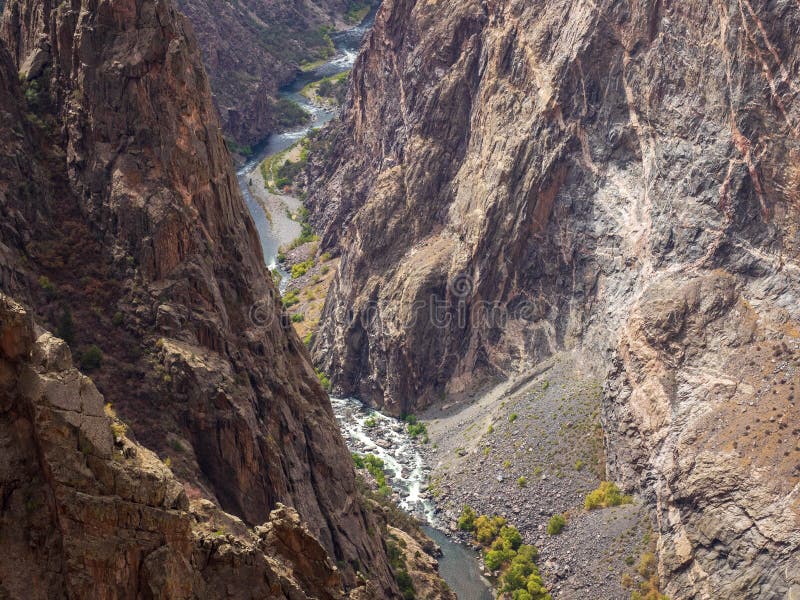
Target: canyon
{"x": 202, "y": 458}
{"x": 252, "y": 48}
{"x": 513, "y": 182}
{"x": 554, "y": 244}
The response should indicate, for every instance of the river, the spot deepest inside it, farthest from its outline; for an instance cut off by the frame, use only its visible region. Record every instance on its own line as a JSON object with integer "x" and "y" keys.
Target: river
{"x": 347, "y": 44}
{"x": 368, "y": 431}
{"x": 407, "y": 472}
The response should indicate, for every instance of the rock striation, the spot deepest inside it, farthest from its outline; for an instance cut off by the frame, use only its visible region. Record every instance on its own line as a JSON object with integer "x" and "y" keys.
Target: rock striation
{"x": 124, "y": 232}
{"x": 510, "y": 179}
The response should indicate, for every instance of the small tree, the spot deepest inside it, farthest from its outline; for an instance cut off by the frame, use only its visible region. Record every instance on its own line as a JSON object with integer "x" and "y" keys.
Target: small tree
{"x": 556, "y": 524}
{"x": 466, "y": 522}
{"x": 92, "y": 358}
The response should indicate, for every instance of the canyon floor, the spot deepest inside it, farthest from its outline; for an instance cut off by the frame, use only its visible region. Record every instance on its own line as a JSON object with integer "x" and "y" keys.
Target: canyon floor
{"x": 530, "y": 448}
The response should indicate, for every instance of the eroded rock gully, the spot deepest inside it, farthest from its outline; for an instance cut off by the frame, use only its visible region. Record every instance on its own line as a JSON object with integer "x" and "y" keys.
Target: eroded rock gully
{"x": 123, "y": 227}
{"x": 616, "y": 176}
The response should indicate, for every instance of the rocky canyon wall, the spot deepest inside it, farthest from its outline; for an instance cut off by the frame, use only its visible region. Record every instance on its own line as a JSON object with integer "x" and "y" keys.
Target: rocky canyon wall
{"x": 515, "y": 178}
{"x": 123, "y": 230}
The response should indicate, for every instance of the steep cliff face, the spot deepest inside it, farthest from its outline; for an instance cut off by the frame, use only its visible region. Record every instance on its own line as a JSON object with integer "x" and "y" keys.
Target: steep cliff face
{"x": 124, "y": 229}
{"x": 87, "y": 513}
{"x": 515, "y": 178}
{"x": 254, "y": 47}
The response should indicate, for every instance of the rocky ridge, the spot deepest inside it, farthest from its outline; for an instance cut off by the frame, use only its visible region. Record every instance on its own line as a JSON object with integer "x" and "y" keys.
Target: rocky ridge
{"x": 82, "y": 500}
{"x": 513, "y": 179}
{"x": 123, "y": 230}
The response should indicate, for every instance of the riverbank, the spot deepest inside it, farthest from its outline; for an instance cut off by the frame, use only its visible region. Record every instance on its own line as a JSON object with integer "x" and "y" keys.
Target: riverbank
{"x": 369, "y": 432}
{"x": 531, "y": 448}
{"x": 281, "y": 211}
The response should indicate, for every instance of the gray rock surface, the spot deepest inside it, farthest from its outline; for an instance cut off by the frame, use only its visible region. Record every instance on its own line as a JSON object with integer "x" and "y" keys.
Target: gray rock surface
{"x": 618, "y": 177}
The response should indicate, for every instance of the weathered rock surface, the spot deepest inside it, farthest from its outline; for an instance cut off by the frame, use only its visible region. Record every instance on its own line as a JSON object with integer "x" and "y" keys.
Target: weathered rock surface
{"x": 87, "y": 513}
{"x": 123, "y": 227}
{"x": 514, "y": 178}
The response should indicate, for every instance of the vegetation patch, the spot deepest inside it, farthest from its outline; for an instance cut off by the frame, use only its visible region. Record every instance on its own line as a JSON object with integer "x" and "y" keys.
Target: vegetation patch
{"x": 513, "y": 562}
{"x": 290, "y": 298}
{"x": 415, "y": 428}
{"x": 606, "y": 495}
{"x": 331, "y": 90}
{"x": 92, "y": 358}
{"x": 556, "y": 524}
{"x": 323, "y": 380}
{"x": 302, "y": 268}
{"x": 375, "y": 467}
{"x": 357, "y": 12}
{"x": 237, "y": 148}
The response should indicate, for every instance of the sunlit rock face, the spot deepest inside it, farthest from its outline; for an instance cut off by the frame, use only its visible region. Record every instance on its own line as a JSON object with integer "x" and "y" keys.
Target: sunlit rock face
{"x": 617, "y": 176}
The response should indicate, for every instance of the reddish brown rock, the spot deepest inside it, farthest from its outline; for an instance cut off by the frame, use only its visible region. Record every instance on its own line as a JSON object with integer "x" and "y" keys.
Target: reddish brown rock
{"x": 87, "y": 513}
{"x": 123, "y": 227}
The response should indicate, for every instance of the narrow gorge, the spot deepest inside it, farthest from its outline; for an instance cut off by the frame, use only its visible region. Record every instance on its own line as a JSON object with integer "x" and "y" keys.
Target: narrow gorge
{"x": 424, "y": 300}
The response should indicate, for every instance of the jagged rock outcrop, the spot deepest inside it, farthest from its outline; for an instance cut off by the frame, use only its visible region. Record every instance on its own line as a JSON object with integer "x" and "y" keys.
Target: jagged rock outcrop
{"x": 700, "y": 407}
{"x": 513, "y": 178}
{"x": 123, "y": 228}
{"x": 87, "y": 513}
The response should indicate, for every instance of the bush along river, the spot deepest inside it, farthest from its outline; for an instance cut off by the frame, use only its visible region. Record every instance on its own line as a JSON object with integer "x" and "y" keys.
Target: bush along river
{"x": 367, "y": 432}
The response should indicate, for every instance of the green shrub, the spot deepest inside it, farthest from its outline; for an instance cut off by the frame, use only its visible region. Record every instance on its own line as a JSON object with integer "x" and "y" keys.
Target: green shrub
{"x": 323, "y": 379}
{"x": 371, "y": 422}
{"x": 417, "y": 429}
{"x": 511, "y": 535}
{"x": 325, "y": 257}
{"x": 488, "y": 528}
{"x": 298, "y": 318}
{"x": 405, "y": 584}
{"x": 466, "y": 522}
{"x": 302, "y": 268}
{"x": 649, "y": 588}
{"x": 522, "y": 482}
{"x": 556, "y": 524}
{"x": 374, "y": 465}
{"x": 289, "y": 114}
{"x": 495, "y": 559}
{"x": 290, "y": 299}
{"x": 92, "y": 358}
{"x": 512, "y": 417}
{"x": 607, "y": 494}
{"x": 519, "y": 576}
